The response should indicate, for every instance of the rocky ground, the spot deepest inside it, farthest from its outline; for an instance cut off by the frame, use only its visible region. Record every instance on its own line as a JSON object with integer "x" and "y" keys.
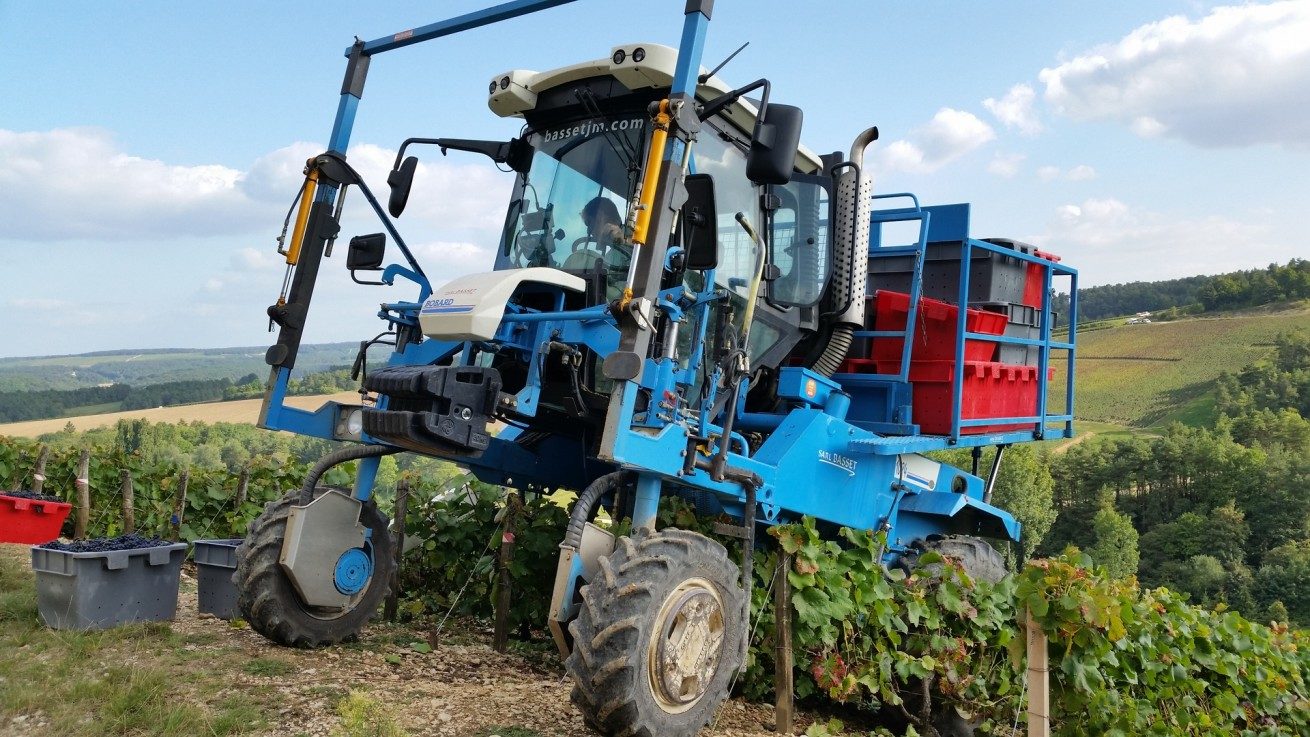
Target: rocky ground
{"x": 461, "y": 687}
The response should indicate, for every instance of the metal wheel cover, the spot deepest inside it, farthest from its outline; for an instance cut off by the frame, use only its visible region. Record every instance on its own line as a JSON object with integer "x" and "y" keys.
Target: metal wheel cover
{"x": 686, "y": 645}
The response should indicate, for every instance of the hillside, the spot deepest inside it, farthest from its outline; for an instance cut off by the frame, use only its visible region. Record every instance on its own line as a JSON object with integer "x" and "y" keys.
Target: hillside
{"x": 245, "y": 411}
{"x": 138, "y": 367}
{"x": 1146, "y": 376}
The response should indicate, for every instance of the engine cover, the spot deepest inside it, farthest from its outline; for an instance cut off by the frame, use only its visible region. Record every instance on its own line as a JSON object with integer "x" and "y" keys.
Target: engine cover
{"x": 439, "y": 410}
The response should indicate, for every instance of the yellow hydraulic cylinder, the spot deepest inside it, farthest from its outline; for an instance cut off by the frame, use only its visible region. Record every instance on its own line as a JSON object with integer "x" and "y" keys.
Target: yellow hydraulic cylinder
{"x": 302, "y": 216}
{"x": 646, "y": 199}
{"x": 654, "y": 161}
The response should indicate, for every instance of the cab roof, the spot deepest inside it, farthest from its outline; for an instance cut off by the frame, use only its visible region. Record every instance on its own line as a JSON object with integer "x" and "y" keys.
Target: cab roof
{"x": 639, "y": 66}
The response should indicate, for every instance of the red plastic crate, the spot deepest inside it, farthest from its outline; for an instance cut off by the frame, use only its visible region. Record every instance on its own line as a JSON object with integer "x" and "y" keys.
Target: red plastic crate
{"x": 989, "y": 389}
{"x": 935, "y": 330}
{"x": 30, "y": 521}
{"x": 1032, "y": 285}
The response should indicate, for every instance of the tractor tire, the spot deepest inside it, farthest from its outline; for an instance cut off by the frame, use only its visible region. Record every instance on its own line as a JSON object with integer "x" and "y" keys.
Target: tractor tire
{"x": 268, "y": 600}
{"x": 982, "y": 563}
{"x": 659, "y": 636}
{"x": 979, "y": 560}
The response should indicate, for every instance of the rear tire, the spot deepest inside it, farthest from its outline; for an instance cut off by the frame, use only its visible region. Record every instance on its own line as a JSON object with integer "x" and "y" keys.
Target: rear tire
{"x": 268, "y": 600}
{"x": 659, "y": 636}
{"x": 979, "y": 559}
{"x": 981, "y": 562}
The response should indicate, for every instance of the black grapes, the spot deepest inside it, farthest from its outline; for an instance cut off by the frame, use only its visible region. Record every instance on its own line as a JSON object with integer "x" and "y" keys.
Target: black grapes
{"x": 105, "y": 544}
{"x": 31, "y": 495}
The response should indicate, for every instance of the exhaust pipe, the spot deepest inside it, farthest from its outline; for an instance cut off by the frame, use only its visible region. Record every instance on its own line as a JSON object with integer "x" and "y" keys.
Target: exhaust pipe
{"x": 850, "y": 255}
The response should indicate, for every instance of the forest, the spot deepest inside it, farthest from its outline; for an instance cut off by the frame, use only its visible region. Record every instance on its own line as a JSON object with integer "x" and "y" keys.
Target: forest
{"x": 1194, "y": 294}
{"x": 1220, "y": 513}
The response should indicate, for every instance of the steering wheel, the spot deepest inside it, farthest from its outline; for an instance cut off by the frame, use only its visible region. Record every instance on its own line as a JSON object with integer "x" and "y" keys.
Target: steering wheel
{"x": 529, "y": 254}
{"x": 584, "y": 240}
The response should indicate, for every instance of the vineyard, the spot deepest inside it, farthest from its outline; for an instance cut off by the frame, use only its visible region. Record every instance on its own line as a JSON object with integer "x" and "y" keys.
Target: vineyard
{"x": 865, "y": 640}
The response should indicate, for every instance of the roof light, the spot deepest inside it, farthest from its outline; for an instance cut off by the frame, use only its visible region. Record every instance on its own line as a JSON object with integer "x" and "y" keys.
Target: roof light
{"x": 504, "y": 83}
{"x": 638, "y": 55}
{"x": 619, "y": 56}
{"x": 492, "y": 89}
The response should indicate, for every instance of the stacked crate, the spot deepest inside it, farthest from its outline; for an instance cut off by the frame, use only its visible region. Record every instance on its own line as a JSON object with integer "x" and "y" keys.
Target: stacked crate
{"x": 1005, "y": 298}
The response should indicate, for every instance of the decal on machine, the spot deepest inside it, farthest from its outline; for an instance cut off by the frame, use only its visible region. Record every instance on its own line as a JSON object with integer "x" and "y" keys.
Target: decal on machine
{"x": 838, "y": 460}
{"x": 919, "y": 470}
{"x": 443, "y": 305}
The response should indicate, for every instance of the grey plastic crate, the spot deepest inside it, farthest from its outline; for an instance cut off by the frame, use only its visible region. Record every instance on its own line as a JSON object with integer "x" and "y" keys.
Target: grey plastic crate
{"x": 101, "y": 590}
{"x": 215, "y": 562}
{"x": 993, "y": 277}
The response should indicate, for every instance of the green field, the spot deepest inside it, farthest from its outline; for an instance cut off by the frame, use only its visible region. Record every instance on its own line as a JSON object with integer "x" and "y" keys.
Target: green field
{"x": 142, "y": 367}
{"x": 1147, "y": 376}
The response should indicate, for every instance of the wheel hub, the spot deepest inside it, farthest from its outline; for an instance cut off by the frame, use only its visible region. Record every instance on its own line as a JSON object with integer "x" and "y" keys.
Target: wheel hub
{"x": 686, "y": 644}
{"x": 353, "y": 571}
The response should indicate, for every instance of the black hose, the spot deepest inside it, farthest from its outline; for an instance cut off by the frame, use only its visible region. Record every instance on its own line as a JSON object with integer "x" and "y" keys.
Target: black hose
{"x": 587, "y": 501}
{"x": 353, "y": 453}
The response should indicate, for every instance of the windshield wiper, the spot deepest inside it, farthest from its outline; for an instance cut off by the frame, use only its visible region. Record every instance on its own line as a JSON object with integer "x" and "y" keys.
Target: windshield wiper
{"x": 621, "y": 146}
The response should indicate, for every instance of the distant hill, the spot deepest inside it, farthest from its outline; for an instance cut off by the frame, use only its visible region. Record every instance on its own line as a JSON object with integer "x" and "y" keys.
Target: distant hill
{"x": 157, "y": 366}
{"x": 243, "y": 411}
{"x": 1148, "y": 375}
{"x": 1234, "y": 290}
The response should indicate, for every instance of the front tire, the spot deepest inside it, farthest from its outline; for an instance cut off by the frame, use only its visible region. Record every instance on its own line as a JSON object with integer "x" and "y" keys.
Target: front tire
{"x": 268, "y": 600}
{"x": 659, "y": 636}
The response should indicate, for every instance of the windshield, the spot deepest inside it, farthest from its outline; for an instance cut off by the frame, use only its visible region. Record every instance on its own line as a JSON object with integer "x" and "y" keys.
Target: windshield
{"x": 570, "y": 208}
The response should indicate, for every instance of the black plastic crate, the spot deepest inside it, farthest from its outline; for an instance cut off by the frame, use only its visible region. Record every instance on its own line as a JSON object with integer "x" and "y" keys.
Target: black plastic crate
{"x": 993, "y": 277}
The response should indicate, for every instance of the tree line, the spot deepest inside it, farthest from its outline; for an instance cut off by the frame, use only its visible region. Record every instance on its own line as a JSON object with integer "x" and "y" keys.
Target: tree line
{"x": 1193, "y": 294}
{"x": 19, "y": 406}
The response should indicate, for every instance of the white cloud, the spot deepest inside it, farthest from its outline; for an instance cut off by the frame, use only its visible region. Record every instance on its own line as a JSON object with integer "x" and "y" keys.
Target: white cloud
{"x": 1006, "y": 165}
{"x": 1237, "y": 77}
{"x": 1015, "y": 110}
{"x": 1110, "y": 242}
{"x": 948, "y": 136}
{"x": 78, "y": 184}
{"x": 1080, "y": 173}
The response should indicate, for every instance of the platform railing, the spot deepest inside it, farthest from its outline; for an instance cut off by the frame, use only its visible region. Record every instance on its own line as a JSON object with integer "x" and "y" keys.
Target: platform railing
{"x": 953, "y": 227}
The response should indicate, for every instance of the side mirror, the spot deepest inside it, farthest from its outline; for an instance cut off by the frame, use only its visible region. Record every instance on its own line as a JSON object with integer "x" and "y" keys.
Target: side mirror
{"x": 366, "y": 252}
{"x": 400, "y": 180}
{"x": 700, "y": 223}
{"x": 774, "y": 144}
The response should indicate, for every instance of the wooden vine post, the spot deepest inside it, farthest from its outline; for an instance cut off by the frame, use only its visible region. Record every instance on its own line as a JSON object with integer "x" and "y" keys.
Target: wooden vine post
{"x": 243, "y": 487}
{"x": 500, "y": 636}
{"x": 179, "y": 504}
{"x": 129, "y": 512}
{"x": 83, "y": 494}
{"x": 783, "y": 708}
{"x": 391, "y": 610}
{"x": 38, "y": 473}
{"x": 1039, "y": 685}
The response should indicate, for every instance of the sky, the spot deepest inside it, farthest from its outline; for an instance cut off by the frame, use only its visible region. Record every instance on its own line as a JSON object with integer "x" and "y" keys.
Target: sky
{"x": 149, "y": 151}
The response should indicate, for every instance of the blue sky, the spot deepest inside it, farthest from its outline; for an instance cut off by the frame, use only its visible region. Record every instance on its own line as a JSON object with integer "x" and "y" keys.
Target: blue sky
{"x": 148, "y": 151}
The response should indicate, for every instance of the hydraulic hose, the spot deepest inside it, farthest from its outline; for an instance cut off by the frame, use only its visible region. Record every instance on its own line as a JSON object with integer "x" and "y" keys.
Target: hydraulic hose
{"x": 353, "y": 453}
{"x": 586, "y": 503}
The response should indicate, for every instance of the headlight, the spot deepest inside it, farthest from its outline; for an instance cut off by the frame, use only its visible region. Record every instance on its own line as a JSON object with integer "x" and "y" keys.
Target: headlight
{"x": 350, "y": 423}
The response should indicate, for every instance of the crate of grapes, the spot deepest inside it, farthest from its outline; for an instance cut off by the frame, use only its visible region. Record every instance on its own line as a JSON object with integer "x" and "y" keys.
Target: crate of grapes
{"x": 101, "y": 583}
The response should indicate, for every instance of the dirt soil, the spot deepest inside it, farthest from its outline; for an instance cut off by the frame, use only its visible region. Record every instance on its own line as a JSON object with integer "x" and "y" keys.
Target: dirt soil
{"x": 463, "y": 687}
{"x": 457, "y": 689}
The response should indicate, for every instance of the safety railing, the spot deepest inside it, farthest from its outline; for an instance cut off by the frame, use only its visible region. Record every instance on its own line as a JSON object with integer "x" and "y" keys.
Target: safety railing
{"x": 949, "y": 224}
